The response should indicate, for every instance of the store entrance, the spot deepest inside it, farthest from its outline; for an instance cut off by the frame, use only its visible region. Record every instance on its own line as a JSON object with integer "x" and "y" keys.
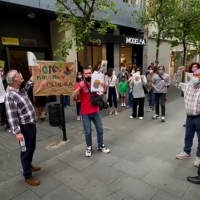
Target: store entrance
{"x": 17, "y": 59}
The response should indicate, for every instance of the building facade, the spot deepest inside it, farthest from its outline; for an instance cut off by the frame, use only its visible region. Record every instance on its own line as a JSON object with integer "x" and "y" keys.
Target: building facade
{"x": 32, "y": 26}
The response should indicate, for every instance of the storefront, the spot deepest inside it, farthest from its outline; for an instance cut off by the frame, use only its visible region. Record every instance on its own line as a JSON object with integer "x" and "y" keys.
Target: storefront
{"x": 23, "y": 31}
{"x": 130, "y": 50}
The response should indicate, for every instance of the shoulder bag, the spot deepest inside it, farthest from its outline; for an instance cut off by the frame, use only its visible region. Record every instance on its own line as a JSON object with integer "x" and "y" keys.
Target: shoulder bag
{"x": 163, "y": 79}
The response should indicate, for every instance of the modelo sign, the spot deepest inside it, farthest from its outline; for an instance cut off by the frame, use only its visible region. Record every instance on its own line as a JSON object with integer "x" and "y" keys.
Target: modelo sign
{"x": 136, "y": 41}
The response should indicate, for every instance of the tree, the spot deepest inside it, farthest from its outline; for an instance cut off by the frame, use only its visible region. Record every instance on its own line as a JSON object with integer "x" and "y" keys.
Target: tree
{"x": 185, "y": 25}
{"x": 157, "y": 14}
{"x": 82, "y": 17}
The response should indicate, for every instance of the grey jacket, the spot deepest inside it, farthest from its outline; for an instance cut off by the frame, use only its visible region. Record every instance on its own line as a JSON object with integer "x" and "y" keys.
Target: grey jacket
{"x": 161, "y": 85}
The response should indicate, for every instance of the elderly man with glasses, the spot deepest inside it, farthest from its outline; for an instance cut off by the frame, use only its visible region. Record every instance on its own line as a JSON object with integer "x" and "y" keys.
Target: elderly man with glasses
{"x": 22, "y": 121}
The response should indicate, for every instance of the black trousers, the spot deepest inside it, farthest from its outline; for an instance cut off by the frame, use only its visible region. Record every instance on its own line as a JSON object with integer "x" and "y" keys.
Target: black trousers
{"x": 29, "y": 132}
{"x": 160, "y": 98}
{"x": 3, "y": 115}
{"x": 112, "y": 97}
{"x": 136, "y": 102}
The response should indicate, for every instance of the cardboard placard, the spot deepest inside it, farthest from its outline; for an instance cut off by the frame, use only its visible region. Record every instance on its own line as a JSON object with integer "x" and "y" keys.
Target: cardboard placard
{"x": 51, "y": 78}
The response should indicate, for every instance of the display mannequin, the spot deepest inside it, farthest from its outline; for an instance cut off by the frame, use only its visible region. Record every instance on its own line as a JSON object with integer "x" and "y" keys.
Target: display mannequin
{"x": 123, "y": 59}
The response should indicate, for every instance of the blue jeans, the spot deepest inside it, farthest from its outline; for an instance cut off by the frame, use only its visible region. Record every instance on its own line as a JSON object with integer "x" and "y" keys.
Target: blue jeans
{"x": 66, "y": 100}
{"x": 192, "y": 126}
{"x": 151, "y": 98}
{"x": 96, "y": 119}
{"x": 130, "y": 99}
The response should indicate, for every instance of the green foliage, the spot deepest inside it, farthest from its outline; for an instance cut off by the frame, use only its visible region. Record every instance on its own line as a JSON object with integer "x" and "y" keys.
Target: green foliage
{"x": 157, "y": 15}
{"x": 80, "y": 17}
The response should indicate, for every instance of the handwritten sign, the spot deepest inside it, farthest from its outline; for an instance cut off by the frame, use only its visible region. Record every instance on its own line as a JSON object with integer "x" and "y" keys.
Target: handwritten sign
{"x": 51, "y": 78}
{"x": 2, "y": 91}
{"x": 2, "y": 63}
{"x": 96, "y": 83}
{"x": 188, "y": 77}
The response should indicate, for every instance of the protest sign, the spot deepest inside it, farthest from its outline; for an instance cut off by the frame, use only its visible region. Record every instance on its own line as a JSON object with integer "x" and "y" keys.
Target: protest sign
{"x": 188, "y": 77}
{"x": 53, "y": 78}
{"x": 97, "y": 82}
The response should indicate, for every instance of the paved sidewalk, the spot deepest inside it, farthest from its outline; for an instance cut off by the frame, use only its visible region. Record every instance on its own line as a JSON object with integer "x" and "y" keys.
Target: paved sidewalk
{"x": 141, "y": 165}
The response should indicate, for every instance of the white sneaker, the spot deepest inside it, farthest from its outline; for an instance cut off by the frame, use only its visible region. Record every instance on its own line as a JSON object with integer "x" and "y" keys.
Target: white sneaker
{"x": 197, "y": 162}
{"x": 88, "y": 152}
{"x": 128, "y": 106}
{"x": 149, "y": 110}
{"x": 140, "y": 118}
{"x": 103, "y": 149}
{"x": 122, "y": 105}
{"x": 182, "y": 156}
{"x": 162, "y": 119}
{"x": 111, "y": 111}
{"x": 131, "y": 117}
{"x": 155, "y": 117}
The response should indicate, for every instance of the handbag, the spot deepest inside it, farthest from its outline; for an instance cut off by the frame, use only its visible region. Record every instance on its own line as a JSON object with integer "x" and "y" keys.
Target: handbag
{"x": 163, "y": 79}
{"x": 95, "y": 99}
{"x": 145, "y": 89}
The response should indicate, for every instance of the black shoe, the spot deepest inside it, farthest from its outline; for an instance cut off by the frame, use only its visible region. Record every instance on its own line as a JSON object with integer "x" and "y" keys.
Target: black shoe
{"x": 194, "y": 179}
{"x": 184, "y": 125}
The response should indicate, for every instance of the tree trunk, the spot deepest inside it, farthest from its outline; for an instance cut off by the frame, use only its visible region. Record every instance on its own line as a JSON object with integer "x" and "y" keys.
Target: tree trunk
{"x": 157, "y": 49}
{"x": 184, "y": 53}
{"x": 85, "y": 56}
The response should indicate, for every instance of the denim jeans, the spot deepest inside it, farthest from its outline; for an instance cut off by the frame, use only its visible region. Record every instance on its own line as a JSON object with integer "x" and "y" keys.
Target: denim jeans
{"x": 151, "y": 98}
{"x": 192, "y": 126}
{"x": 96, "y": 119}
{"x": 130, "y": 99}
{"x": 66, "y": 100}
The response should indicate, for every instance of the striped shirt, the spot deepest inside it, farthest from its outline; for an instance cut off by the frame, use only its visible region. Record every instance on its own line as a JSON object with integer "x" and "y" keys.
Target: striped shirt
{"x": 191, "y": 98}
{"x": 19, "y": 108}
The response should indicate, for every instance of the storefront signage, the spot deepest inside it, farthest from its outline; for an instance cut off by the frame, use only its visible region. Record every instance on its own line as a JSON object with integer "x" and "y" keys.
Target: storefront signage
{"x": 51, "y": 78}
{"x": 10, "y": 41}
{"x": 136, "y": 41}
{"x": 28, "y": 42}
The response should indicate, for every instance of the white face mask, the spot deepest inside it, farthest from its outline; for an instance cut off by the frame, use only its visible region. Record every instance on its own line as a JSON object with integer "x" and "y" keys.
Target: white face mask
{"x": 150, "y": 71}
{"x": 79, "y": 76}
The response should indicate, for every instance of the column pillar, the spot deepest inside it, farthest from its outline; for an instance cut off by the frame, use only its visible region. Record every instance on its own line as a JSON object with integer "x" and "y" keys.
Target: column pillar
{"x": 117, "y": 53}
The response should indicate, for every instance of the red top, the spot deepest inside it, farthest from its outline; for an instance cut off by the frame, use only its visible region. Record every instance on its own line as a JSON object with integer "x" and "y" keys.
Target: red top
{"x": 86, "y": 105}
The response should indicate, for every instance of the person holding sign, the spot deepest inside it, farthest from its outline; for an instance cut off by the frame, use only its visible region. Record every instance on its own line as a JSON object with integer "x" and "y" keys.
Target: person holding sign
{"x": 22, "y": 119}
{"x": 90, "y": 113}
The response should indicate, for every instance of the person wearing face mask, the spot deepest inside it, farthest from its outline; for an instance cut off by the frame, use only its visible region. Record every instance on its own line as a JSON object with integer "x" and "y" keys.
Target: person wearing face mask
{"x": 151, "y": 95}
{"x": 22, "y": 121}
{"x": 191, "y": 98}
{"x": 160, "y": 83}
{"x": 89, "y": 113}
{"x": 79, "y": 78}
{"x": 138, "y": 83}
{"x": 111, "y": 89}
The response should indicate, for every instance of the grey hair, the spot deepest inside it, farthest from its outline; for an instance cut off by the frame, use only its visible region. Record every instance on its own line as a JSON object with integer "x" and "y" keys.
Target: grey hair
{"x": 10, "y": 77}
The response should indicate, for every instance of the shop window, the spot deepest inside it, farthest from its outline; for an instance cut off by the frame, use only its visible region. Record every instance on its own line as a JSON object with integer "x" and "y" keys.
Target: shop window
{"x": 95, "y": 54}
{"x": 126, "y": 56}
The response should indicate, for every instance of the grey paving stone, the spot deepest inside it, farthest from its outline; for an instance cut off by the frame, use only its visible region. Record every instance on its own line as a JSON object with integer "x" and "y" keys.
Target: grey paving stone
{"x": 192, "y": 193}
{"x": 181, "y": 173}
{"x": 102, "y": 173}
{"x": 48, "y": 183}
{"x": 12, "y": 188}
{"x": 76, "y": 160}
{"x": 157, "y": 164}
{"x": 134, "y": 188}
{"x": 134, "y": 156}
{"x": 128, "y": 198}
{"x": 41, "y": 155}
{"x": 53, "y": 166}
{"x": 172, "y": 186}
{"x": 161, "y": 195}
{"x": 63, "y": 192}
{"x": 3, "y": 177}
{"x": 126, "y": 144}
{"x": 28, "y": 195}
{"x": 73, "y": 178}
{"x": 132, "y": 169}
{"x": 99, "y": 191}
{"x": 6, "y": 163}
{"x": 107, "y": 159}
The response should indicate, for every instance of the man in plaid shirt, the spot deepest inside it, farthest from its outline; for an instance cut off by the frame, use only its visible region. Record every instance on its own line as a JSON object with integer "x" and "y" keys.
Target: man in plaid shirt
{"x": 22, "y": 118}
{"x": 192, "y": 105}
